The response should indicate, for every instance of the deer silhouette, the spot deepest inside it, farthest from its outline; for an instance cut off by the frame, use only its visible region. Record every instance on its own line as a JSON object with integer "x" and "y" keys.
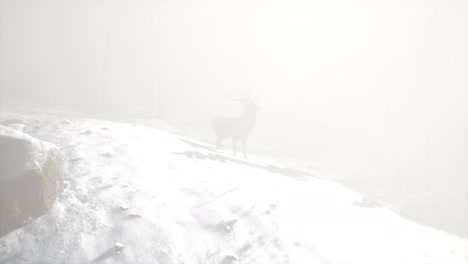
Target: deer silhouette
{"x": 239, "y": 127}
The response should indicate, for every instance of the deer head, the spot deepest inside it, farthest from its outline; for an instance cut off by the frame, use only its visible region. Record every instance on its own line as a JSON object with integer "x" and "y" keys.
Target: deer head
{"x": 250, "y": 104}
{"x": 248, "y": 101}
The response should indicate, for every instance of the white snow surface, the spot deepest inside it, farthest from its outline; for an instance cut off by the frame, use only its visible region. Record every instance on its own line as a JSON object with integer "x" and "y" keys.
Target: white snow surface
{"x": 20, "y": 152}
{"x": 171, "y": 200}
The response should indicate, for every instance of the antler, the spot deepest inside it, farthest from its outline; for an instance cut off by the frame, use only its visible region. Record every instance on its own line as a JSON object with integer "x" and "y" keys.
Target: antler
{"x": 248, "y": 96}
{"x": 245, "y": 96}
{"x": 228, "y": 97}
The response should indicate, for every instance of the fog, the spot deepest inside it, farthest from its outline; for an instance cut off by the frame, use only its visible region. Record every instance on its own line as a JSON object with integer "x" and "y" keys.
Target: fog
{"x": 368, "y": 91}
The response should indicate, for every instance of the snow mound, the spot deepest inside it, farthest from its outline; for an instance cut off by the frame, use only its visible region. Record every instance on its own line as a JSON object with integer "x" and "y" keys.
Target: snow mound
{"x": 31, "y": 176}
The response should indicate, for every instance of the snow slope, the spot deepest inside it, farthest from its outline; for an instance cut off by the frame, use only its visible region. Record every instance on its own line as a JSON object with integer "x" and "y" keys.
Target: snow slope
{"x": 169, "y": 199}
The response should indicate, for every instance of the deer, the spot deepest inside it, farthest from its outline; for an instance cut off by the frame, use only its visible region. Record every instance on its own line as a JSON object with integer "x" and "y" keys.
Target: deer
{"x": 237, "y": 128}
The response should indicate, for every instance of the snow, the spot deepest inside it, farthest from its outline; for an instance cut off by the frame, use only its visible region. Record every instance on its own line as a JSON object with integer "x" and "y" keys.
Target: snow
{"x": 20, "y": 152}
{"x": 167, "y": 199}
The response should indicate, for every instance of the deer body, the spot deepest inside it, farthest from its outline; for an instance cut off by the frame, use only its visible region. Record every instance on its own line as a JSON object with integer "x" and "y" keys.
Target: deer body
{"x": 236, "y": 128}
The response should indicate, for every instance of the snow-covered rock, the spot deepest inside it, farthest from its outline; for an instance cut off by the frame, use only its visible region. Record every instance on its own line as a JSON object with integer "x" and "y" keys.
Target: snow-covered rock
{"x": 31, "y": 177}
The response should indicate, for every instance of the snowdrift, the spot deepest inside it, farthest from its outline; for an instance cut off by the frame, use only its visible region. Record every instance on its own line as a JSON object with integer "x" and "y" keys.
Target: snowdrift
{"x": 135, "y": 194}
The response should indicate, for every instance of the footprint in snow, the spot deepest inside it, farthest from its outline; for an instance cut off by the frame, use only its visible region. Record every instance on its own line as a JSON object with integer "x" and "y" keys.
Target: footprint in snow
{"x": 228, "y": 226}
{"x": 75, "y": 159}
{"x": 246, "y": 247}
{"x": 172, "y": 166}
{"x": 107, "y": 155}
{"x": 229, "y": 259}
{"x": 107, "y": 186}
{"x": 134, "y": 215}
{"x": 270, "y": 209}
{"x": 87, "y": 132}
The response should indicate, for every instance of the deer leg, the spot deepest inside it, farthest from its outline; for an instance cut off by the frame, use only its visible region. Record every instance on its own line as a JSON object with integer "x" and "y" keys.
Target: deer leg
{"x": 234, "y": 143}
{"x": 243, "y": 149}
{"x": 219, "y": 143}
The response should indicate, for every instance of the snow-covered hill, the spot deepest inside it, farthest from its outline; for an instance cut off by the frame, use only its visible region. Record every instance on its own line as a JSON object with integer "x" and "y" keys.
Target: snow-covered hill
{"x": 169, "y": 200}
